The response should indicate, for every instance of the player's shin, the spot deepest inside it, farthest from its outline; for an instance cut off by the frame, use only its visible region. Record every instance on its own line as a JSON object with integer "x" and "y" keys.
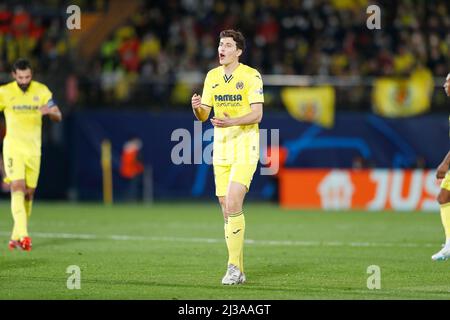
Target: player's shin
{"x": 241, "y": 258}
{"x": 19, "y": 214}
{"x": 445, "y": 217}
{"x": 225, "y": 227}
{"x": 28, "y": 207}
{"x": 236, "y": 231}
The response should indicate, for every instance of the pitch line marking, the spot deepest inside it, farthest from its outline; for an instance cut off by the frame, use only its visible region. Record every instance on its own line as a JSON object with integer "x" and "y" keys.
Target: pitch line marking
{"x": 298, "y": 243}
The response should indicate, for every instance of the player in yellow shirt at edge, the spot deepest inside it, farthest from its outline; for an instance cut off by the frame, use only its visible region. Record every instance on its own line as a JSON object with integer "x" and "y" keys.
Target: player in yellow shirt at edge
{"x": 235, "y": 92}
{"x": 24, "y": 102}
{"x": 444, "y": 194}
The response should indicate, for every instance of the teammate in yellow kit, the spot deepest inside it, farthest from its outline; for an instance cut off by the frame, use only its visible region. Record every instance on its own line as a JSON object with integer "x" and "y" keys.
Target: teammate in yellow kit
{"x": 235, "y": 92}
{"x": 24, "y": 103}
{"x": 444, "y": 195}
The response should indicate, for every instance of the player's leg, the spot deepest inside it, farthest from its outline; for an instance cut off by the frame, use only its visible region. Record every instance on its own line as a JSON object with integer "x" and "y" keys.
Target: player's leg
{"x": 236, "y": 222}
{"x": 20, "y": 229}
{"x": 222, "y": 202}
{"x": 32, "y": 169}
{"x": 444, "y": 202}
{"x": 29, "y": 195}
{"x": 221, "y": 179}
{"x": 15, "y": 176}
{"x": 240, "y": 179}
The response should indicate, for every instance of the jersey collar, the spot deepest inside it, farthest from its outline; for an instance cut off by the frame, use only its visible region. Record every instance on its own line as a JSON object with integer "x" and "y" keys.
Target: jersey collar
{"x": 226, "y": 78}
{"x": 16, "y": 85}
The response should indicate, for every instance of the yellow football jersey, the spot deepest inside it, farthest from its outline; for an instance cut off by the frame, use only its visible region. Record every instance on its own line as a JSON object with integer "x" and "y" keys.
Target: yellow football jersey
{"x": 233, "y": 95}
{"x": 23, "y": 117}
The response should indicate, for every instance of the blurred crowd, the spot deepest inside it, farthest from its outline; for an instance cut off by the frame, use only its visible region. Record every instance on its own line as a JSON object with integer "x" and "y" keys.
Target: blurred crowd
{"x": 308, "y": 37}
{"x": 37, "y": 30}
{"x": 284, "y": 37}
{"x": 36, "y": 36}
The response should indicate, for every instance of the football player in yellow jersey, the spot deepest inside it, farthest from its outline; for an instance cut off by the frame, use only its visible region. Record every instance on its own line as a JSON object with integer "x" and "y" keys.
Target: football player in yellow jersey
{"x": 235, "y": 92}
{"x": 24, "y": 102}
{"x": 444, "y": 195}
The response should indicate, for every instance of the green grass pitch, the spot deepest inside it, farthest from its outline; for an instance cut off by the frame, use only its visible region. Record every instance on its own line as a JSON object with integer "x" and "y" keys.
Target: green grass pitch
{"x": 177, "y": 251}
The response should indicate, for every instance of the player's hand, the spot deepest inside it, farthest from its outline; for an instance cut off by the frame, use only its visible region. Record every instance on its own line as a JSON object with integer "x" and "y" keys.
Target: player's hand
{"x": 441, "y": 170}
{"x": 45, "y": 109}
{"x": 196, "y": 101}
{"x": 223, "y": 122}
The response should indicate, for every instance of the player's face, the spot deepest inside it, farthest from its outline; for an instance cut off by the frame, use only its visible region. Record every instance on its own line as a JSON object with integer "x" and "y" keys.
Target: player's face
{"x": 228, "y": 51}
{"x": 447, "y": 85}
{"x": 23, "y": 78}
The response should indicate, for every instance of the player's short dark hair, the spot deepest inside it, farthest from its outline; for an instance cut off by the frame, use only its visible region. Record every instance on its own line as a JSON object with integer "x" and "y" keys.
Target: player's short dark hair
{"x": 21, "y": 64}
{"x": 237, "y": 36}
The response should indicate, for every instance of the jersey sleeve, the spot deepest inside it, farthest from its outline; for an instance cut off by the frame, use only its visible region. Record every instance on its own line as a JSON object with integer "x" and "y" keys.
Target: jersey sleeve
{"x": 47, "y": 97}
{"x": 207, "y": 96}
{"x": 255, "y": 91}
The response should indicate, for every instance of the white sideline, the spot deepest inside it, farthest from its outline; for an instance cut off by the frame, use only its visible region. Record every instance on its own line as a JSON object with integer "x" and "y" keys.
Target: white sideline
{"x": 81, "y": 236}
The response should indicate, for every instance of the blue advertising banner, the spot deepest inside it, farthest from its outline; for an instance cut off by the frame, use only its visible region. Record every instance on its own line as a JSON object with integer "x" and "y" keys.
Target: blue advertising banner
{"x": 176, "y": 150}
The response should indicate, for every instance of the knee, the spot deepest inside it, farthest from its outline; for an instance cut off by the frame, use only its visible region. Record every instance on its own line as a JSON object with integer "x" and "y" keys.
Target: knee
{"x": 233, "y": 206}
{"x": 18, "y": 187}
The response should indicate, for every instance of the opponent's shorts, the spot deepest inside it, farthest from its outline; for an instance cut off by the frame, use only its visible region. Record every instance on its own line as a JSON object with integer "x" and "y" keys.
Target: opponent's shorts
{"x": 20, "y": 167}
{"x": 224, "y": 174}
{"x": 445, "y": 184}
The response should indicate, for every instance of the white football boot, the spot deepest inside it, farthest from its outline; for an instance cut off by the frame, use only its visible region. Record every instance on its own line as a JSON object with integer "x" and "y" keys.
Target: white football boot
{"x": 443, "y": 254}
{"x": 242, "y": 279}
{"x": 233, "y": 276}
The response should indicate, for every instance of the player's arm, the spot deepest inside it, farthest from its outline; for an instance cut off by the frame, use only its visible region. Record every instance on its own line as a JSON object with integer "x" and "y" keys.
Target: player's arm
{"x": 53, "y": 112}
{"x": 202, "y": 105}
{"x": 200, "y": 110}
{"x": 443, "y": 167}
{"x": 254, "y": 116}
{"x": 49, "y": 106}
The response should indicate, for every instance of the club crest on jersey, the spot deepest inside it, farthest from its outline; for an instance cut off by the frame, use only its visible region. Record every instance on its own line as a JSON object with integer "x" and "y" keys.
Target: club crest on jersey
{"x": 36, "y": 98}
{"x": 239, "y": 85}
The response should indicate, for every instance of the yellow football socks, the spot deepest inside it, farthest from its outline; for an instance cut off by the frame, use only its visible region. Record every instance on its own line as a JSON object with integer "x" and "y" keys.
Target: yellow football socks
{"x": 241, "y": 258}
{"x": 19, "y": 215}
{"x": 225, "y": 227}
{"x": 28, "y": 206}
{"x": 235, "y": 232}
{"x": 445, "y": 216}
